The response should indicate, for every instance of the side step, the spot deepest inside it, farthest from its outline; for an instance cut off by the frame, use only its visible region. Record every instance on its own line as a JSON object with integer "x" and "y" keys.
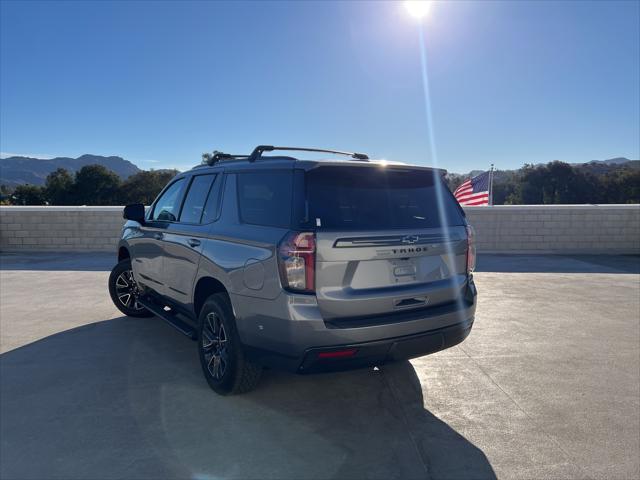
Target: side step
{"x": 169, "y": 317}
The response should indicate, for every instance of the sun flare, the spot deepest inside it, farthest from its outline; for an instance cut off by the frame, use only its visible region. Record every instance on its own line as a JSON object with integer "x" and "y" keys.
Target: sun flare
{"x": 418, "y": 8}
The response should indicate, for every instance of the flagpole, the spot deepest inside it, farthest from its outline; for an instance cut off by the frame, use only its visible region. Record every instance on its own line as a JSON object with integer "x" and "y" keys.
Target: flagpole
{"x": 491, "y": 186}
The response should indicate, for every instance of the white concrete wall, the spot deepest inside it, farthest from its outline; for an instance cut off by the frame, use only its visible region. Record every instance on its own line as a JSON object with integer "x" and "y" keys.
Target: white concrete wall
{"x": 609, "y": 229}
{"x": 60, "y": 228}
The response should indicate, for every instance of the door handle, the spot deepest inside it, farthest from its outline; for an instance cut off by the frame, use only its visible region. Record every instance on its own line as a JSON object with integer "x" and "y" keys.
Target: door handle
{"x": 158, "y": 236}
{"x": 194, "y": 242}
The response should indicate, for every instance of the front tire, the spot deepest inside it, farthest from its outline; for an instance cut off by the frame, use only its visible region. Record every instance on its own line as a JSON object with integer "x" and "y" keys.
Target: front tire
{"x": 224, "y": 364}
{"x": 124, "y": 290}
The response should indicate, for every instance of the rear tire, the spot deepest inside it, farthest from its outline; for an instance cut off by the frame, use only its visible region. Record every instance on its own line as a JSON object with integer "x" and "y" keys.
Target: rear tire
{"x": 224, "y": 363}
{"x": 124, "y": 290}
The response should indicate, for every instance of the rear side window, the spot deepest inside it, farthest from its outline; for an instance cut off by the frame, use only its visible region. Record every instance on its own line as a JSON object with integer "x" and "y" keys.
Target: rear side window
{"x": 371, "y": 198}
{"x": 194, "y": 203}
{"x": 212, "y": 206}
{"x": 264, "y": 198}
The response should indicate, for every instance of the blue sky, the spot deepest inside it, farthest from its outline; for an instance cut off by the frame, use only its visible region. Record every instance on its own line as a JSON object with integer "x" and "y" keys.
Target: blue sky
{"x": 160, "y": 82}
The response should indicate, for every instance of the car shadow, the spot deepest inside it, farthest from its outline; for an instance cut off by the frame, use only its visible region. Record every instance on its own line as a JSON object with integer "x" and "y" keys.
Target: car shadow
{"x": 125, "y": 398}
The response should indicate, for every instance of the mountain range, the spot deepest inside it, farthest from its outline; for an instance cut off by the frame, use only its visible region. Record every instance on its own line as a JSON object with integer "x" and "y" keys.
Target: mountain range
{"x": 611, "y": 161}
{"x": 20, "y": 170}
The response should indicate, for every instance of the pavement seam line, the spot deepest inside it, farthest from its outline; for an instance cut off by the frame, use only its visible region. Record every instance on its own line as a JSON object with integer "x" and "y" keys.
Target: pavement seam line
{"x": 532, "y": 418}
{"x": 425, "y": 463}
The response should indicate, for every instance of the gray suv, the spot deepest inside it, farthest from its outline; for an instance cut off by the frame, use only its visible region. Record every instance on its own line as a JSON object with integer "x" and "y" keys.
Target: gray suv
{"x": 303, "y": 265}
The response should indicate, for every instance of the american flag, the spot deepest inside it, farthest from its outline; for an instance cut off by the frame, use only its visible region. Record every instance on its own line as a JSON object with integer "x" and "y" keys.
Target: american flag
{"x": 474, "y": 191}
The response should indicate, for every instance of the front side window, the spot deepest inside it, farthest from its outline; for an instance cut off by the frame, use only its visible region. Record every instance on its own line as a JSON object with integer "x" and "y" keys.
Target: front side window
{"x": 264, "y": 198}
{"x": 168, "y": 205}
{"x": 194, "y": 203}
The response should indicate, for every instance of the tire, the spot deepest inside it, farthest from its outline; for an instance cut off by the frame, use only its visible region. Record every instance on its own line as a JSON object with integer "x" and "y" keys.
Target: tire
{"x": 124, "y": 291}
{"x": 224, "y": 364}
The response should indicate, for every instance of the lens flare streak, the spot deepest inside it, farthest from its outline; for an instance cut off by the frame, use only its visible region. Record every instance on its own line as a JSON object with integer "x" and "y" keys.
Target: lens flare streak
{"x": 434, "y": 159}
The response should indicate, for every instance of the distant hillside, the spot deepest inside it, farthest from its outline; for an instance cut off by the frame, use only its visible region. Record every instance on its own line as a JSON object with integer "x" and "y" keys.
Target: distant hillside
{"x": 612, "y": 161}
{"x": 594, "y": 166}
{"x": 600, "y": 181}
{"x": 605, "y": 166}
{"x": 20, "y": 170}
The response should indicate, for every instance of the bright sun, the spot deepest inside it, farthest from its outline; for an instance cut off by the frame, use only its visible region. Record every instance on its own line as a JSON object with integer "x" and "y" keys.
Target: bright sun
{"x": 417, "y": 8}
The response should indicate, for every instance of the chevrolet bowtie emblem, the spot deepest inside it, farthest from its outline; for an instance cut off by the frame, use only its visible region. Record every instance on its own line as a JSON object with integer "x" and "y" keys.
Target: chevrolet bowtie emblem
{"x": 410, "y": 239}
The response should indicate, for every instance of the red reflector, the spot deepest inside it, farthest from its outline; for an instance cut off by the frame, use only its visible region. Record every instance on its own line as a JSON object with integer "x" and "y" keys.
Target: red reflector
{"x": 338, "y": 353}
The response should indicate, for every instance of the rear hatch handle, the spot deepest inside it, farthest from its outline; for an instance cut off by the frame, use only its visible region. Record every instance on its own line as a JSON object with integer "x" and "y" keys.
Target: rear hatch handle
{"x": 409, "y": 302}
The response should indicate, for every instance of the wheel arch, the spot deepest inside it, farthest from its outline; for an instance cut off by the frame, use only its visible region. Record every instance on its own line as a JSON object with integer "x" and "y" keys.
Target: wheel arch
{"x": 123, "y": 253}
{"x": 205, "y": 287}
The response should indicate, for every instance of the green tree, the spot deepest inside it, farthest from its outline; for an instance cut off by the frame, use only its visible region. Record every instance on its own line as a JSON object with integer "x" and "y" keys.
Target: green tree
{"x": 621, "y": 186}
{"x": 630, "y": 186}
{"x": 502, "y": 191}
{"x": 96, "y": 185}
{"x": 28, "y": 195}
{"x": 5, "y": 195}
{"x": 565, "y": 184}
{"x": 453, "y": 180}
{"x": 59, "y": 188}
{"x": 528, "y": 190}
{"x": 562, "y": 183}
{"x": 144, "y": 186}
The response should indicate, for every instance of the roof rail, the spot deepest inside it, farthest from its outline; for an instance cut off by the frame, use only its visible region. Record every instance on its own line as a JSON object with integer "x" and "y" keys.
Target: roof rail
{"x": 257, "y": 152}
{"x": 220, "y": 156}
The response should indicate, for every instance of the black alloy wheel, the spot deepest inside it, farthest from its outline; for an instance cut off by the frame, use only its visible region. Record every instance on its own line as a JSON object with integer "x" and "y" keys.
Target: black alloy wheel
{"x": 224, "y": 363}
{"x": 124, "y": 291}
{"x": 214, "y": 346}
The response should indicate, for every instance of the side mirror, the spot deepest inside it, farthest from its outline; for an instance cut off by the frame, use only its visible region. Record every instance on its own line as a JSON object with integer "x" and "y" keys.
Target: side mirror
{"x": 134, "y": 212}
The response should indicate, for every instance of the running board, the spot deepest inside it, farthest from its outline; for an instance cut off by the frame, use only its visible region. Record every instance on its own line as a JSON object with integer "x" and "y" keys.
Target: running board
{"x": 169, "y": 317}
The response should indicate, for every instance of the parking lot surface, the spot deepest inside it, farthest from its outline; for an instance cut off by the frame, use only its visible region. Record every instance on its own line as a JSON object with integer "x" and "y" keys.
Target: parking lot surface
{"x": 546, "y": 386}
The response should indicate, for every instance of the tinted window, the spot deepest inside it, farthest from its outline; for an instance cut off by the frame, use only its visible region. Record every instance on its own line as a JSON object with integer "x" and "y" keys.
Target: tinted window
{"x": 265, "y": 198}
{"x": 211, "y": 207}
{"x": 364, "y": 198}
{"x": 196, "y": 197}
{"x": 167, "y": 206}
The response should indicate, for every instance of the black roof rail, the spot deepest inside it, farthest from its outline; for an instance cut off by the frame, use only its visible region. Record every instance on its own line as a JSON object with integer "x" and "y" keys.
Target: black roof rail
{"x": 257, "y": 152}
{"x": 220, "y": 156}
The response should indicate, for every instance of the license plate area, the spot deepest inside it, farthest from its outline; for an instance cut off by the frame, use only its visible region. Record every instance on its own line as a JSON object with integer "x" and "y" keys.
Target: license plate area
{"x": 403, "y": 270}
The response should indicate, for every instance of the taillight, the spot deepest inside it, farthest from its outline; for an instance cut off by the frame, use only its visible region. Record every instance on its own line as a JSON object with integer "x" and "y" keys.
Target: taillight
{"x": 471, "y": 249}
{"x": 297, "y": 262}
{"x": 350, "y": 352}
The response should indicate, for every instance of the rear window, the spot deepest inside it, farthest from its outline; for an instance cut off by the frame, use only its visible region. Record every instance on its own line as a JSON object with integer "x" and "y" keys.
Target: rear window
{"x": 364, "y": 198}
{"x": 264, "y": 198}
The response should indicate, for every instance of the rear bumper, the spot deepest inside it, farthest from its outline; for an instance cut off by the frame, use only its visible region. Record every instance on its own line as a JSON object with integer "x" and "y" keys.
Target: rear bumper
{"x": 367, "y": 354}
{"x": 378, "y": 353}
{"x": 293, "y": 340}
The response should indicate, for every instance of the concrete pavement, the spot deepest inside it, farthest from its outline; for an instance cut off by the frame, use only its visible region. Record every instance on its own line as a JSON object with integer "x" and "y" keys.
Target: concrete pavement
{"x": 546, "y": 386}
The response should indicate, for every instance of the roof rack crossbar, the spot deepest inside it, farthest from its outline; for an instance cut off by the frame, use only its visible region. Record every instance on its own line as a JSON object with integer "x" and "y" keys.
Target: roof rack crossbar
{"x": 258, "y": 151}
{"x": 220, "y": 156}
